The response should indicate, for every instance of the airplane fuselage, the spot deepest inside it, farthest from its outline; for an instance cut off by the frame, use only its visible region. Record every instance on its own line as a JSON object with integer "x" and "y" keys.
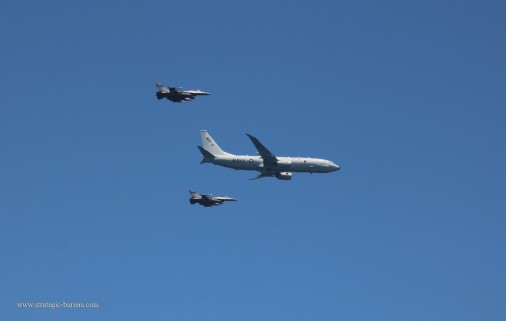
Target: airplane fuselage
{"x": 205, "y": 202}
{"x": 196, "y": 92}
{"x": 175, "y": 96}
{"x": 284, "y": 164}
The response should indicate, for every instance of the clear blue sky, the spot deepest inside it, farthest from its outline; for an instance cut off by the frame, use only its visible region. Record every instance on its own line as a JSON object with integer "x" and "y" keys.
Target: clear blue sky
{"x": 408, "y": 97}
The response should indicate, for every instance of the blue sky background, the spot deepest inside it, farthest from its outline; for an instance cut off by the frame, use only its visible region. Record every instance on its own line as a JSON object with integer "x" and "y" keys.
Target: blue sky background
{"x": 408, "y": 97}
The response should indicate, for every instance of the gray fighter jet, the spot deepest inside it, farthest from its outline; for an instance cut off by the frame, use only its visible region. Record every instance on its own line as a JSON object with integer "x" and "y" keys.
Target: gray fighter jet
{"x": 177, "y": 95}
{"x": 267, "y": 164}
{"x": 208, "y": 200}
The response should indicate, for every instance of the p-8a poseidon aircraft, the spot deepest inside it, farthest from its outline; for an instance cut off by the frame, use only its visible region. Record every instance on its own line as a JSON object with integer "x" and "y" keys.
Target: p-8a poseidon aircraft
{"x": 267, "y": 164}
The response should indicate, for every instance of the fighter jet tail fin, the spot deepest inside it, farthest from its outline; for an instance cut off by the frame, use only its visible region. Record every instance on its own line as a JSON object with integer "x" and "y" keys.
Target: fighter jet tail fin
{"x": 161, "y": 88}
{"x": 211, "y": 145}
{"x": 207, "y": 155}
{"x": 194, "y": 194}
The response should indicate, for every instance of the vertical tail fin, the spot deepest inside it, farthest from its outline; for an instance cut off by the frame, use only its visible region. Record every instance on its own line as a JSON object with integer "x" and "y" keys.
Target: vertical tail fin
{"x": 162, "y": 88}
{"x": 194, "y": 194}
{"x": 210, "y": 145}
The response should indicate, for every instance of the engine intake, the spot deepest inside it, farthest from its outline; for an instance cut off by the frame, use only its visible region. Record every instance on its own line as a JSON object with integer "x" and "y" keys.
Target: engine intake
{"x": 284, "y": 176}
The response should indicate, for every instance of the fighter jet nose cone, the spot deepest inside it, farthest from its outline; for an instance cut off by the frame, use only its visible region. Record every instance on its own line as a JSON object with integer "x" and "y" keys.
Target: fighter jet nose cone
{"x": 338, "y": 167}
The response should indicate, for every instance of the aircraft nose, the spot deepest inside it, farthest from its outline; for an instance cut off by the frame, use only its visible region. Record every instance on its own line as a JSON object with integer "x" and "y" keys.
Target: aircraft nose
{"x": 330, "y": 167}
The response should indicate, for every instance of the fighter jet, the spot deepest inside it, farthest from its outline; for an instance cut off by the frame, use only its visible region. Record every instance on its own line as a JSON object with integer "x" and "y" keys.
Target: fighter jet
{"x": 208, "y": 200}
{"x": 176, "y": 95}
{"x": 267, "y": 164}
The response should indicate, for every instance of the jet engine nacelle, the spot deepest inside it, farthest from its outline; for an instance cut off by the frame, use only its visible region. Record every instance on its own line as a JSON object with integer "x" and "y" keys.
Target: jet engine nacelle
{"x": 284, "y": 176}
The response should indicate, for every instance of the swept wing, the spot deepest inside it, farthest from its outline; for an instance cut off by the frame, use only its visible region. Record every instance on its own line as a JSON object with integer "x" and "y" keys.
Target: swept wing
{"x": 266, "y": 154}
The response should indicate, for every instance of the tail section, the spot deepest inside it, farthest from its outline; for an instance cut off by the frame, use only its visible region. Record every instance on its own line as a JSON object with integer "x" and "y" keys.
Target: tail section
{"x": 207, "y": 156}
{"x": 161, "y": 88}
{"x": 194, "y": 194}
{"x": 210, "y": 145}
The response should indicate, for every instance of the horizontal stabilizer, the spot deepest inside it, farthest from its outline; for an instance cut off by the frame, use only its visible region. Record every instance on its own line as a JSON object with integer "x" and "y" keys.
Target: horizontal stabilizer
{"x": 207, "y": 155}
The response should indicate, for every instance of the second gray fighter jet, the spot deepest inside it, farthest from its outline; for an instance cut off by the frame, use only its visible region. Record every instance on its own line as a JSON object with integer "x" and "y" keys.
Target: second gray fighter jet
{"x": 177, "y": 95}
{"x": 207, "y": 200}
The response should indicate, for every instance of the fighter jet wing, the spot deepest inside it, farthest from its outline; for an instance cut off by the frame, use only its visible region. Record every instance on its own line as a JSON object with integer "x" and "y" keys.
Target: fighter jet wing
{"x": 262, "y": 150}
{"x": 176, "y": 99}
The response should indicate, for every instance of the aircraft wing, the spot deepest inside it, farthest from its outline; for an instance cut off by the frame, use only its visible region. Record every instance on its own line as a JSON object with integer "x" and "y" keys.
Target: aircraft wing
{"x": 262, "y": 175}
{"x": 176, "y": 99}
{"x": 262, "y": 150}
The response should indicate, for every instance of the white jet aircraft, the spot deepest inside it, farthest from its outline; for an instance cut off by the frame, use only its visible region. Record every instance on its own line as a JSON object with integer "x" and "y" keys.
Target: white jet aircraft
{"x": 267, "y": 164}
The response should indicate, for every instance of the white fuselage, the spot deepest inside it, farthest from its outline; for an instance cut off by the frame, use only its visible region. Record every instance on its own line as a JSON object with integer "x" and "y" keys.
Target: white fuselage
{"x": 284, "y": 164}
